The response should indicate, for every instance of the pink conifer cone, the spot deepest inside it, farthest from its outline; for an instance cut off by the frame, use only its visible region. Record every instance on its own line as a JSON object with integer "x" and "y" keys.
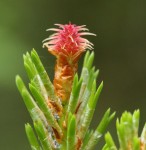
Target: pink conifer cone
{"x": 67, "y": 44}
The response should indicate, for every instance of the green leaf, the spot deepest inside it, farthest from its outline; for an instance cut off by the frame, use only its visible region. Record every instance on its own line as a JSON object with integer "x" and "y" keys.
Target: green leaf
{"x": 29, "y": 66}
{"x": 43, "y": 74}
{"x": 45, "y": 109}
{"x": 74, "y": 97}
{"x": 86, "y": 58}
{"x": 136, "y": 143}
{"x": 32, "y": 138}
{"x": 39, "y": 77}
{"x": 93, "y": 101}
{"x": 43, "y": 135}
{"x": 30, "y": 73}
{"x": 100, "y": 130}
{"x": 31, "y": 105}
{"x": 85, "y": 95}
{"x": 109, "y": 142}
{"x": 135, "y": 122}
{"x": 71, "y": 132}
{"x": 87, "y": 115}
{"x": 143, "y": 136}
{"x": 106, "y": 119}
{"x": 86, "y": 139}
{"x": 90, "y": 60}
{"x": 29, "y": 102}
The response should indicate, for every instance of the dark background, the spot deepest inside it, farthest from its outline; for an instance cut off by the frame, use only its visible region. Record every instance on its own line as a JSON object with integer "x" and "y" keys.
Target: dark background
{"x": 120, "y": 49}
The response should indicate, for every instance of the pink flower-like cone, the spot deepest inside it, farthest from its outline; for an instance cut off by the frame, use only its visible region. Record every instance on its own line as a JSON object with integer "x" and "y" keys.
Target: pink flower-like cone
{"x": 67, "y": 45}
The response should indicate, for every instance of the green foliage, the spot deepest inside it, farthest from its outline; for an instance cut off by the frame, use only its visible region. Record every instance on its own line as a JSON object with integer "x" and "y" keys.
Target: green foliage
{"x": 57, "y": 126}
{"x": 68, "y": 128}
{"x": 71, "y": 132}
{"x": 127, "y": 130}
{"x": 32, "y": 138}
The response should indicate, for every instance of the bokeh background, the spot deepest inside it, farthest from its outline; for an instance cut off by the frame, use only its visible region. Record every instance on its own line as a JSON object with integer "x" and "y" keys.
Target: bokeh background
{"x": 120, "y": 49}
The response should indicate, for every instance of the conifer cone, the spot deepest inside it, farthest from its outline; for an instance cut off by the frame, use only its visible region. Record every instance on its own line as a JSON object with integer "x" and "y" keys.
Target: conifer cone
{"x": 67, "y": 45}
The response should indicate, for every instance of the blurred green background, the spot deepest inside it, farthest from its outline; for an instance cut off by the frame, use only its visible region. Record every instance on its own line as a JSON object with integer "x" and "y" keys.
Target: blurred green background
{"x": 120, "y": 49}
